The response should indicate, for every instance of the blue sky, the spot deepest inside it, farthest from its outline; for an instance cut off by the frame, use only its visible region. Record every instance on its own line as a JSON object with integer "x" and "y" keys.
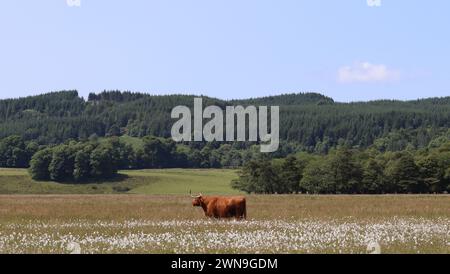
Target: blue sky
{"x": 227, "y": 48}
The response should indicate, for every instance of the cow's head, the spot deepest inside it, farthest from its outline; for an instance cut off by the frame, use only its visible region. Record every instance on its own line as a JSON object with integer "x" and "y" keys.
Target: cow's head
{"x": 197, "y": 200}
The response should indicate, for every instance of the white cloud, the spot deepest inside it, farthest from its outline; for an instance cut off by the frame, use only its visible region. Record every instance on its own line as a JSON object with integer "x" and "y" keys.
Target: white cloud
{"x": 374, "y": 3}
{"x": 73, "y": 3}
{"x": 365, "y": 72}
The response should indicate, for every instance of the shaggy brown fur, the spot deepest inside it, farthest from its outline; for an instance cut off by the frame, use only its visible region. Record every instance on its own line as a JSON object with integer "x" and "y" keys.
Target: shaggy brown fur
{"x": 222, "y": 207}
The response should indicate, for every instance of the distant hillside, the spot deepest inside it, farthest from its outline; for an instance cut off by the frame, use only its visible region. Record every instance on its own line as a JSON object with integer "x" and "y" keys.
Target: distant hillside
{"x": 310, "y": 120}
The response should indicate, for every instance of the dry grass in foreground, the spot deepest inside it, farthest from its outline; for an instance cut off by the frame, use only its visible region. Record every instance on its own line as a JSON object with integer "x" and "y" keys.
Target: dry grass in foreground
{"x": 169, "y": 224}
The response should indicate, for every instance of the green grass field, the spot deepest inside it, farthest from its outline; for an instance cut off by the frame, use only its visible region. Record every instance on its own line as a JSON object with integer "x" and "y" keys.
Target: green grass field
{"x": 168, "y": 181}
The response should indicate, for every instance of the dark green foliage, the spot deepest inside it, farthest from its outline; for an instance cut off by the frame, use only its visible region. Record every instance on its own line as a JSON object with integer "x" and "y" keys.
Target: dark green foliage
{"x": 291, "y": 174}
{"x": 158, "y": 153}
{"x": 82, "y": 167}
{"x": 317, "y": 178}
{"x": 372, "y": 147}
{"x": 373, "y": 178}
{"x": 311, "y": 121}
{"x": 259, "y": 177}
{"x": 79, "y": 162}
{"x": 102, "y": 163}
{"x": 62, "y": 165}
{"x": 39, "y": 165}
{"x": 345, "y": 171}
{"x": 403, "y": 173}
{"x": 351, "y": 171}
{"x": 14, "y": 152}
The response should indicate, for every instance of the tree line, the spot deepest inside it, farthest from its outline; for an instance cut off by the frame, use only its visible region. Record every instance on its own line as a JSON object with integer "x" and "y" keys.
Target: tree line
{"x": 15, "y": 152}
{"x": 79, "y": 161}
{"x": 101, "y": 158}
{"x": 311, "y": 121}
{"x": 351, "y": 171}
{"x": 150, "y": 152}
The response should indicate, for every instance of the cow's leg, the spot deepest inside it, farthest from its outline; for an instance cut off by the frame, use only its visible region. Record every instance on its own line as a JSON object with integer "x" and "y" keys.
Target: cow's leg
{"x": 240, "y": 217}
{"x": 210, "y": 213}
{"x": 241, "y": 214}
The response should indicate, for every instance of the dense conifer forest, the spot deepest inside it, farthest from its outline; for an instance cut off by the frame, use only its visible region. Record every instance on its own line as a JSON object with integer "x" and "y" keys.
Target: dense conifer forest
{"x": 310, "y": 120}
{"x": 383, "y": 146}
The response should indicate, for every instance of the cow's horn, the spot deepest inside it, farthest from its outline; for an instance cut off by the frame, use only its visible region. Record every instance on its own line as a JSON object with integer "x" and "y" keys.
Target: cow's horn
{"x": 193, "y": 196}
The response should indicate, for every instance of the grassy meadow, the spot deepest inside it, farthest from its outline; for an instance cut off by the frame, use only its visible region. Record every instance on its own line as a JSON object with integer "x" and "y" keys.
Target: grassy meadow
{"x": 155, "y": 181}
{"x": 154, "y": 214}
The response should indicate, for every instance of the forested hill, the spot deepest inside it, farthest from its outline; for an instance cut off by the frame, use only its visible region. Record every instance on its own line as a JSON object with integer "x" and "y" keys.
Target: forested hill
{"x": 313, "y": 121}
